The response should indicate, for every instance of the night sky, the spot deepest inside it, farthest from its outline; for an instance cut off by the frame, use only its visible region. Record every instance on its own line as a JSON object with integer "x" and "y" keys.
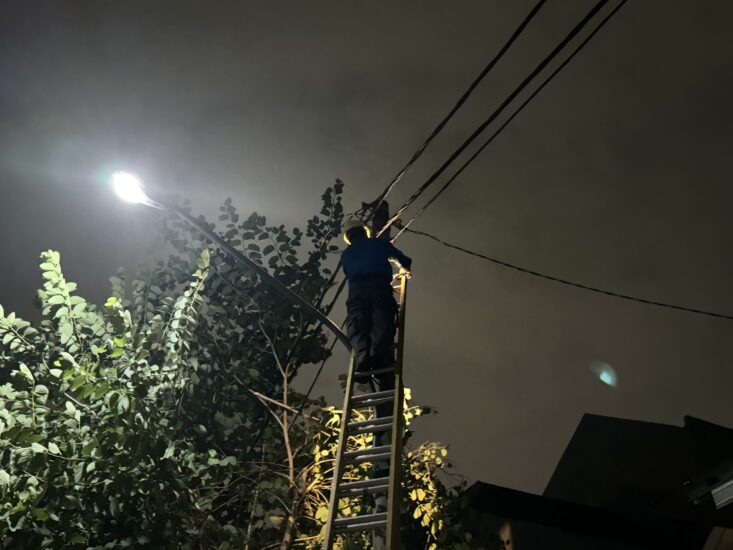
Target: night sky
{"x": 616, "y": 176}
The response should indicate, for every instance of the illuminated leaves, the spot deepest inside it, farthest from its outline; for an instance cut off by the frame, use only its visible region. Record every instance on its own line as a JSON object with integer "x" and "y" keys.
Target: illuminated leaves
{"x": 85, "y": 415}
{"x": 140, "y": 409}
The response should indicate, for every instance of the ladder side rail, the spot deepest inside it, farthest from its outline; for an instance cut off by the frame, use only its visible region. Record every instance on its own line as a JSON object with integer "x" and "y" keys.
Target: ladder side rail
{"x": 395, "y": 471}
{"x": 338, "y": 466}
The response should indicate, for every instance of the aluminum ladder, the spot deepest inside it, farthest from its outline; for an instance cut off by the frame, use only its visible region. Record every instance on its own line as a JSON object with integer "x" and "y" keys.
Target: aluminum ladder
{"x": 384, "y": 525}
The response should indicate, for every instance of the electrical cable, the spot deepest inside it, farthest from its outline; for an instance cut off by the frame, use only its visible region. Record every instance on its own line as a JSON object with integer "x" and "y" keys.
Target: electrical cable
{"x": 567, "y": 282}
{"x": 460, "y": 102}
{"x": 517, "y": 32}
{"x": 578, "y": 27}
{"x": 506, "y": 123}
{"x": 418, "y": 153}
{"x": 313, "y": 383}
{"x": 330, "y": 350}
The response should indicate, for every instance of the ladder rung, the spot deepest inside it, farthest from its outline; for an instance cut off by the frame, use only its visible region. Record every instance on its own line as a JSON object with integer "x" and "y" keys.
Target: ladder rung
{"x": 367, "y": 374}
{"x": 375, "y": 395}
{"x": 361, "y": 523}
{"x": 372, "y": 403}
{"x": 370, "y": 426}
{"x": 371, "y": 399}
{"x": 368, "y": 455}
{"x": 362, "y": 483}
{"x": 345, "y": 492}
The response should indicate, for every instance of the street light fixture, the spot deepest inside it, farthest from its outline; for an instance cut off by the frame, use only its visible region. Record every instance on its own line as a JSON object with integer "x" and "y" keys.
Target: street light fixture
{"x": 130, "y": 189}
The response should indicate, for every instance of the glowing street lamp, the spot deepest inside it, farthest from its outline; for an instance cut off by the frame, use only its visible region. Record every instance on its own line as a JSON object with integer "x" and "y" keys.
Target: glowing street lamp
{"x": 130, "y": 189}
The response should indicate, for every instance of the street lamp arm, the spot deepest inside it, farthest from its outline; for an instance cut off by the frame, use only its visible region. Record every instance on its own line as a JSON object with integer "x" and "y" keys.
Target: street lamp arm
{"x": 265, "y": 276}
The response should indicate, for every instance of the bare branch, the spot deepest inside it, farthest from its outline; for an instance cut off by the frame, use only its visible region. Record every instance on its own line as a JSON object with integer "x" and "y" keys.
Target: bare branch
{"x": 261, "y": 397}
{"x": 272, "y": 348}
{"x": 264, "y": 400}
{"x": 82, "y": 405}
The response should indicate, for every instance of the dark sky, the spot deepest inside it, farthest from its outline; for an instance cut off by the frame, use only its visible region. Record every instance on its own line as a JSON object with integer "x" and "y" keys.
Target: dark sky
{"x": 616, "y": 176}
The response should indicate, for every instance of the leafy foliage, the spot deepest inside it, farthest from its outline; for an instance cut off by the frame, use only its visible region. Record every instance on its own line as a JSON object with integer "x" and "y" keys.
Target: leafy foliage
{"x": 165, "y": 418}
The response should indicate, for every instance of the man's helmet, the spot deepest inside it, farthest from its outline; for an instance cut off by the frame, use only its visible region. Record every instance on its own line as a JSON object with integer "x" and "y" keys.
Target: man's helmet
{"x": 352, "y": 223}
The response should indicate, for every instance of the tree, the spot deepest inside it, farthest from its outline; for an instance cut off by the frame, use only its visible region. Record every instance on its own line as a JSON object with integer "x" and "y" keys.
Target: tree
{"x": 167, "y": 418}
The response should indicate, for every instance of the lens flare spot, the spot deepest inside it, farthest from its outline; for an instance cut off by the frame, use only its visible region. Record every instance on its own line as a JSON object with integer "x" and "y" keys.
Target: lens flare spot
{"x": 605, "y": 373}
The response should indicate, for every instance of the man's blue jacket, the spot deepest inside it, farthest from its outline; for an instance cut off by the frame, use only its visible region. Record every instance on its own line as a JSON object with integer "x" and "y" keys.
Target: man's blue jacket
{"x": 366, "y": 261}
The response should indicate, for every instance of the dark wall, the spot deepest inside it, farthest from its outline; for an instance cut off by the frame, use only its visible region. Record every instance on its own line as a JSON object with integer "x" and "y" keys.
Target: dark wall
{"x": 618, "y": 464}
{"x": 527, "y": 535}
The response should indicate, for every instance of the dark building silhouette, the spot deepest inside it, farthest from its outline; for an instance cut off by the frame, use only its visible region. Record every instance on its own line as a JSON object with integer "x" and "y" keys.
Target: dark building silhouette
{"x": 620, "y": 484}
{"x": 645, "y": 469}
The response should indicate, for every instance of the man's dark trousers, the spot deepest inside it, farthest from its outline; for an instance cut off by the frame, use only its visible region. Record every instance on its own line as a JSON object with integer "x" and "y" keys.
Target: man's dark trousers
{"x": 370, "y": 326}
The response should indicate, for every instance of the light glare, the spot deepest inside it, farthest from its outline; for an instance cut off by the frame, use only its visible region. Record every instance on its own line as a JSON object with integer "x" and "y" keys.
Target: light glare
{"x": 605, "y": 373}
{"x": 128, "y": 187}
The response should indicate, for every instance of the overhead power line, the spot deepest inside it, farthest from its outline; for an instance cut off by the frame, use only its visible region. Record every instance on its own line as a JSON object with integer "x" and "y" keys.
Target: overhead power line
{"x": 457, "y": 106}
{"x": 497, "y": 112}
{"x": 506, "y": 123}
{"x": 517, "y": 32}
{"x": 567, "y": 282}
{"x": 461, "y": 101}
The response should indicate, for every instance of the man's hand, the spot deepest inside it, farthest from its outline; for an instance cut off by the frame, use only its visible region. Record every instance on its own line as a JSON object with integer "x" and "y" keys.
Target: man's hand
{"x": 405, "y": 273}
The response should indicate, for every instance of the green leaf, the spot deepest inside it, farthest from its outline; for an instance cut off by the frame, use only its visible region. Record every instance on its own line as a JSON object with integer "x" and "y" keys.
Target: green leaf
{"x": 87, "y": 391}
{"x": 203, "y": 261}
{"x": 88, "y": 449}
{"x": 60, "y": 312}
{"x": 78, "y": 382}
{"x": 101, "y": 390}
{"x": 277, "y": 520}
{"x": 4, "y": 478}
{"x": 65, "y": 332}
{"x": 41, "y": 391}
{"x": 169, "y": 451}
{"x": 54, "y": 448}
{"x": 38, "y": 448}
{"x": 56, "y": 299}
{"x": 40, "y": 514}
{"x": 27, "y": 373}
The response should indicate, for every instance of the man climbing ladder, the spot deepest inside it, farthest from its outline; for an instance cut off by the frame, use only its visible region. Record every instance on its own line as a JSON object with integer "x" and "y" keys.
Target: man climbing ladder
{"x": 371, "y": 308}
{"x": 372, "y": 313}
